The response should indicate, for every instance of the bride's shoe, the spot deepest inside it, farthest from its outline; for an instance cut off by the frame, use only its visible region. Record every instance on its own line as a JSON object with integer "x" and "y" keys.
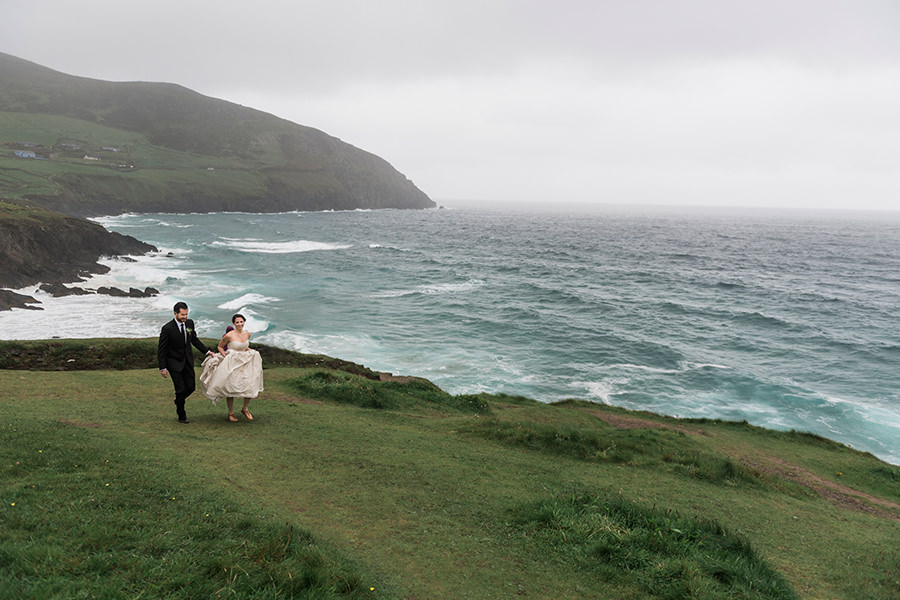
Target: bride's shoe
{"x": 232, "y": 418}
{"x": 247, "y": 414}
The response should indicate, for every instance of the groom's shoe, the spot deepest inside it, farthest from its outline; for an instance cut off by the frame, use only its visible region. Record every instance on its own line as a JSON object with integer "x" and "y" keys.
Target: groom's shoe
{"x": 183, "y": 421}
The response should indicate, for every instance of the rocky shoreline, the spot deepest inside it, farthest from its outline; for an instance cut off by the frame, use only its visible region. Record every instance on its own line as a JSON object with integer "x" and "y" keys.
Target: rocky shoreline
{"x": 42, "y": 247}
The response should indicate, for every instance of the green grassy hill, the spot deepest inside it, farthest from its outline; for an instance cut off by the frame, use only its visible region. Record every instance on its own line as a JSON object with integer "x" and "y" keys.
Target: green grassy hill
{"x": 111, "y": 147}
{"x": 349, "y": 486}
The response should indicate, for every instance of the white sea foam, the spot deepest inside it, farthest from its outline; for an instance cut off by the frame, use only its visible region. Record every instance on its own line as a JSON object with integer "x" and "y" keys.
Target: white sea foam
{"x": 80, "y": 317}
{"x": 291, "y": 247}
{"x": 383, "y": 247}
{"x": 116, "y": 221}
{"x": 176, "y": 225}
{"x": 131, "y": 221}
{"x": 100, "y": 315}
{"x": 693, "y": 365}
{"x": 880, "y": 419}
{"x": 432, "y": 289}
{"x": 392, "y": 294}
{"x": 683, "y": 367}
{"x": 450, "y": 288}
{"x": 245, "y": 300}
{"x": 254, "y": 323}
{"x": 602, "y": 390}
{"x": 633, "y": 367}
{"x": 143, "y": 272}
{"x": 353, "y": 348}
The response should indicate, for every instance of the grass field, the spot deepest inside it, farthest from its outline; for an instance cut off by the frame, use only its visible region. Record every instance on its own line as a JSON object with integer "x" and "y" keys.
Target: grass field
{"x": 149, "y": 166}
{"x": 349, "y": 487}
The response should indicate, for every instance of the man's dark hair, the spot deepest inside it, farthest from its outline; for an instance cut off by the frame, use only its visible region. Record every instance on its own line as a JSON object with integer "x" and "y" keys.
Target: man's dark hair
{"x": 179, "y": 306}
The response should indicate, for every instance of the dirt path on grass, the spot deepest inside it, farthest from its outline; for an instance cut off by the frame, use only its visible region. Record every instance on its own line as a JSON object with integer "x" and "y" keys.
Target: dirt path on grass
{"x": 838, "y": 494}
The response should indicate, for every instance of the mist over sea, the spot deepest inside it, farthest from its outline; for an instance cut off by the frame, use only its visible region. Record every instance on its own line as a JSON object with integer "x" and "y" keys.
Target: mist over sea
{"x": 786, "y": 320}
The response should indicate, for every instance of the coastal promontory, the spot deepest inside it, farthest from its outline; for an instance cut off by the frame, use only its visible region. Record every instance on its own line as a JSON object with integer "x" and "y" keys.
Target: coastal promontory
{"x": 75, "y": 147}
{"x": 39, "y": 246}
{"x": 88, "y": 147}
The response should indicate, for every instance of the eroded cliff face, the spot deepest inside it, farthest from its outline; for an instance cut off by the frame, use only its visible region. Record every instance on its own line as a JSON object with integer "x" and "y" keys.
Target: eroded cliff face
{"x": 44, "y": 247}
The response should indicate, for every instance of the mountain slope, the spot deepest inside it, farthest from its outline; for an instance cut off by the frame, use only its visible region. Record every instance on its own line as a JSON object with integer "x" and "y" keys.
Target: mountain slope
{"x": 109, "y": 147}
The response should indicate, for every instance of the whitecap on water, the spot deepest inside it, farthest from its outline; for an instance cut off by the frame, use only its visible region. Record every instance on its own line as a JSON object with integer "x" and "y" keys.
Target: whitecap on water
{"x": 252, "y": 321}
{"x": 432, "y": 289}
{"x": 693, "y": 365}
{"x": 383, "y": 247}
{"x": 246, "y": 299}
{"x": 444, "y": 288}
{"x": 133, "y": 220}
{"x": 602, "y": 390}
{"x": 633, "y": 367}
{"x": 393, "y": 294}
{"x": 289, "y": 247}
{"x": 353, "y": 348}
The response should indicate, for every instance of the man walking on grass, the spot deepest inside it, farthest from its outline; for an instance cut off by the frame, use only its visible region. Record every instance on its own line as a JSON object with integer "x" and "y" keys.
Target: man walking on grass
{"x": 176, "y": 360}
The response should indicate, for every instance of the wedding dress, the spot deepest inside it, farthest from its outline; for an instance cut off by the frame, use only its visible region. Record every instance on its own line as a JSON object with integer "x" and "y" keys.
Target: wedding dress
{"x": 238, "y": 374}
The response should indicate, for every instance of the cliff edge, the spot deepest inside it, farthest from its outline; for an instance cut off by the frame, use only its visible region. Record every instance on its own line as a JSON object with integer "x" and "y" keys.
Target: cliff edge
{"x": 39, "y": 246}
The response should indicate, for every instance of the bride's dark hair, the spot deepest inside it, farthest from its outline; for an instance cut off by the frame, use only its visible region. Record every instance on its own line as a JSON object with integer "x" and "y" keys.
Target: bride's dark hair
{"x": 238, "y": 315}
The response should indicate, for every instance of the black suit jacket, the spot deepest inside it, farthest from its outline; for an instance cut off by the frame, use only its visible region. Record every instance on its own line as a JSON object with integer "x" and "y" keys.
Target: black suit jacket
{"x": 173, "y": 354}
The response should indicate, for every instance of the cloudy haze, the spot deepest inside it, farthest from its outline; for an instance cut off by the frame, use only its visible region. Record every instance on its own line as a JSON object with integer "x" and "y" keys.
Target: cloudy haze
{"x": 788, "y": 103}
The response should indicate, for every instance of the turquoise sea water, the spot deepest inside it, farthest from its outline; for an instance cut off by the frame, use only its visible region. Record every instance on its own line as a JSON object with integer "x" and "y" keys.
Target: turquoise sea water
{"x": 789, "y": 321}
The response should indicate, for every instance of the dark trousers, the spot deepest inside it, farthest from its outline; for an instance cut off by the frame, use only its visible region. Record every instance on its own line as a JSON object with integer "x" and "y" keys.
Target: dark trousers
{"x": 184, "y": 387}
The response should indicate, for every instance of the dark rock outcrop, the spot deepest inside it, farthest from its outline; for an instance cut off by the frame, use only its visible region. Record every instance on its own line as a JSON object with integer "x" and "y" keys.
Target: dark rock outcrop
{"x": 131, "y": 293}
{"x": 58, "y": 290}
{"x": 38, "y": 246}
{"x": 9, "y": 300}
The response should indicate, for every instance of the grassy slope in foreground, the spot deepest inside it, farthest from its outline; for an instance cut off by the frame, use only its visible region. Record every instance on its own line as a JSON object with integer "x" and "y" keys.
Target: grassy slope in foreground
{"x": 344, "y": 484}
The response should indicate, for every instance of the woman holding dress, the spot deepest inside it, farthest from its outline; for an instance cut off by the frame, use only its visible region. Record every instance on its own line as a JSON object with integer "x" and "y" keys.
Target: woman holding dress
{"x": 235, "y": 372}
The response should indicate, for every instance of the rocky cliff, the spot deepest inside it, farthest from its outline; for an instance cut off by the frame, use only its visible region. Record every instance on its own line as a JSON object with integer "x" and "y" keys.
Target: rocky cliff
{"x": 38, "y": 246}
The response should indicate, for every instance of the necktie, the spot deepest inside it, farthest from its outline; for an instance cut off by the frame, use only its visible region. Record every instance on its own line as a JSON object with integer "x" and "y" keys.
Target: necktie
{"x": 183, "y": 333}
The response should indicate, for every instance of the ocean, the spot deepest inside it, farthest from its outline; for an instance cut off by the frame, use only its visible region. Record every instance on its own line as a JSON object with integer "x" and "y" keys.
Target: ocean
{"x": 788, "y": 320}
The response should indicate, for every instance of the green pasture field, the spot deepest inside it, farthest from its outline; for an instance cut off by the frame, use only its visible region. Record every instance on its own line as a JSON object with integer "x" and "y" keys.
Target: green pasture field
{"x": 53, "y": 130}
{"x": 148, "y": 166}
{"x": 349, "y": 486}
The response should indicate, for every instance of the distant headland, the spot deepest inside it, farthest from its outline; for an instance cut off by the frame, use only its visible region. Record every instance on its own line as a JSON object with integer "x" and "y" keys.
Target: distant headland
{"x": 80, "y": 147}
{"x": 87, "y": 147}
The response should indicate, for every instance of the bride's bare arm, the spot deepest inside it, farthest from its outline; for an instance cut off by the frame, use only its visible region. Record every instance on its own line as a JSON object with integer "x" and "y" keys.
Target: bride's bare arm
{"x": 223, "y": 344}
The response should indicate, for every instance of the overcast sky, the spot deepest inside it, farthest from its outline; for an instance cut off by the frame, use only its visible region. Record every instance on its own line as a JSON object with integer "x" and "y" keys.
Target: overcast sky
{"x": 790, "y": 103}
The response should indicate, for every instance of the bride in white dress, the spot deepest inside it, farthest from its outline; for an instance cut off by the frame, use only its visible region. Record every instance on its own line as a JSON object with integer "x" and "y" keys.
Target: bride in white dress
{"x": 235, "y": 372}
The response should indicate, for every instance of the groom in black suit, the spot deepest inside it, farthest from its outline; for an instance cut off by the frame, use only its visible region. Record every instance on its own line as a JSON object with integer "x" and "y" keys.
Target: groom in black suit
{"x": 176, "y": 360}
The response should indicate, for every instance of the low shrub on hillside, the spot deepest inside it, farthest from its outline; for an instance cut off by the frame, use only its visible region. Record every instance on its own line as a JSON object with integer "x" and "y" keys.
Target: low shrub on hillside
{"x": 655, "y": 552}
{"x": 347, "y": 388}
{"x": 632, "y": 446}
